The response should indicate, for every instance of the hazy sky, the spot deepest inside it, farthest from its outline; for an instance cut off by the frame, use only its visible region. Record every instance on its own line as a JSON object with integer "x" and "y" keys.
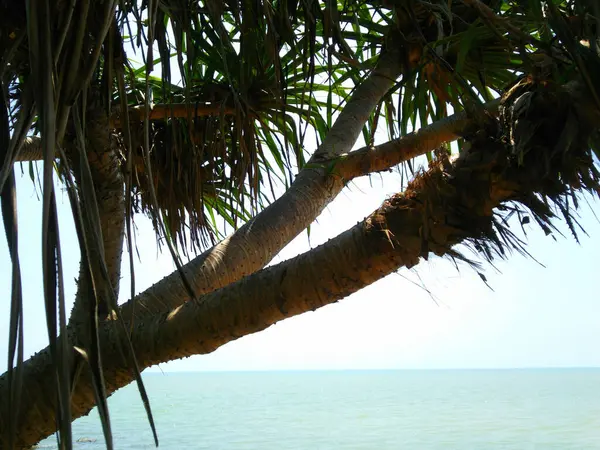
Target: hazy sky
{"x": 430, "y": 317}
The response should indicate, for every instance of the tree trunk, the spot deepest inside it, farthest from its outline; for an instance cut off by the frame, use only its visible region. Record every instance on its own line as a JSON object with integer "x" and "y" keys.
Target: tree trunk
{"x": 449, "y": 204}
{"x": 257, "y": 242}
{"x": 110, "y": 198}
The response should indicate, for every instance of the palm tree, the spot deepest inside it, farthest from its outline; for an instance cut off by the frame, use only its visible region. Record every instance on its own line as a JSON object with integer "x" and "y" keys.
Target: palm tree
{"x": 216, "y": 112}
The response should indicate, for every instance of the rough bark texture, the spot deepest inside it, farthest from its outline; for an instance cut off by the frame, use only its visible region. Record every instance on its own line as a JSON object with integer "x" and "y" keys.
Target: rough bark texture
{"x": 110, "y": 196}
{"x": 258, "y": 241}
{"x": 31, "y": 150}
{"x": 448, "y": 204}
{"x": 433, "y": 215}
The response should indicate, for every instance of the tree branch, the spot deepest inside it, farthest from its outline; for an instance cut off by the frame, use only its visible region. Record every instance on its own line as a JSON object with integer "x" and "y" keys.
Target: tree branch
{"x": 367, "y": 159}
{"x": 451, "y": 203}
{"x": 173, "y": 110}
{"x": 31, "y": 150}
{"x": 430, "y": 217}
{"x": 488, "y": 15}
{"x": 447, "y": 205}
{"x": 347, "y": 167}
{"x": 385, "y": 156}
{"x": 252, "y": 246}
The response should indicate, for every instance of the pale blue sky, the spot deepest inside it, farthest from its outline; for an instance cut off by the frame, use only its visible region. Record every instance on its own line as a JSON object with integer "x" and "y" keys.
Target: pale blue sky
{"x": 534, "y": 317}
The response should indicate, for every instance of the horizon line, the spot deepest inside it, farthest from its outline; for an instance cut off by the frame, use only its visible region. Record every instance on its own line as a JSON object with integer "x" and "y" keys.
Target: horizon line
{"x": 153, "y": 370}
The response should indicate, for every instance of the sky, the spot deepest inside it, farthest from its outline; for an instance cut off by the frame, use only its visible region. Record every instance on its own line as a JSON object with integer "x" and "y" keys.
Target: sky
{"x": 534, "y": 314}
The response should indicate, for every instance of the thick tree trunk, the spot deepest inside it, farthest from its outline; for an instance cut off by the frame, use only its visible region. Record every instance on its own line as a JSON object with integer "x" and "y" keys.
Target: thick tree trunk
{"x": 110, "y": 195}
{"x": 110, "y": 198}
{"x": 257, "y": 242}
{"x": 447, "y": 205}
{"x": 169, "y": 294}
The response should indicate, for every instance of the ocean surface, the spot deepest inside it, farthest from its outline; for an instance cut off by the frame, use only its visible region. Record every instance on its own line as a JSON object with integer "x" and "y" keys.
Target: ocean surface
{"x": 445, "y": 409}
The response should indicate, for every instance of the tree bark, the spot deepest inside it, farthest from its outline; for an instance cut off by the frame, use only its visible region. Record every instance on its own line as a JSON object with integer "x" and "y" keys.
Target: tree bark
{"x": 258, "y": 241}
{"x": 110, "y": 197}
{"x": 252, "y": 246}
{"x": 447, "y": 205}
{"x": 382, "y": 157}
{"x": 31, "y": 150}
{"x": 181, "y": 110}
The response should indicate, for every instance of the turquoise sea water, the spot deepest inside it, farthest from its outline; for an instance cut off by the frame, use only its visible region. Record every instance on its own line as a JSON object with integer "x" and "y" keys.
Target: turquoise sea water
{"x": 453, "y": 409}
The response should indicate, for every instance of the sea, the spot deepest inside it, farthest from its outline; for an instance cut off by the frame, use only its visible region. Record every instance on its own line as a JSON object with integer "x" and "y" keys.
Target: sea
{"x": 403, "y": 409}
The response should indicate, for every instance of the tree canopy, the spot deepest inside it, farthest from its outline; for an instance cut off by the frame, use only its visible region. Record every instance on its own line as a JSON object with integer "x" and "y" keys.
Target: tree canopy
{"x": 198, "y": 113}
